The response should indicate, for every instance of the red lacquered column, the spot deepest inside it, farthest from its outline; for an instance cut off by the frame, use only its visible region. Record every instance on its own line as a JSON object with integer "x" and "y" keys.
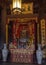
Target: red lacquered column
{"x": 14, "y": 34}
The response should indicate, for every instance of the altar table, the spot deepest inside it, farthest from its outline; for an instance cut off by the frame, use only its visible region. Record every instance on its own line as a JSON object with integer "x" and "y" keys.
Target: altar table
{"x": 21, "y": 55}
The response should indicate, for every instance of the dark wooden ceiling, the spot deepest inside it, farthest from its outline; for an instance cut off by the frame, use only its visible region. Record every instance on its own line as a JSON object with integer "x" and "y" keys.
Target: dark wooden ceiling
{"x": 23, "y": 1}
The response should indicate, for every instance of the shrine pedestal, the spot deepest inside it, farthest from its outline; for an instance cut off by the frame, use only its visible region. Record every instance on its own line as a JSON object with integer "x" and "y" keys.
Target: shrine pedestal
{"x": 21, "y": 55}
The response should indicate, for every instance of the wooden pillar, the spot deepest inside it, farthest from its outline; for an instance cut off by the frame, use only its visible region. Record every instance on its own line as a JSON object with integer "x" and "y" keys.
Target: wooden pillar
{"x": 3, "y": 23}
{"x": 38, "y": 41}
{"x": 6, "y": 33}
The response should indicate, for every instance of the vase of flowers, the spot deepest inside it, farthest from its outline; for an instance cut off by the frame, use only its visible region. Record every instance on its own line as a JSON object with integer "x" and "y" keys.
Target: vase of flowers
{"x": 39, "y": 54}
{"x": 4, "y": 53}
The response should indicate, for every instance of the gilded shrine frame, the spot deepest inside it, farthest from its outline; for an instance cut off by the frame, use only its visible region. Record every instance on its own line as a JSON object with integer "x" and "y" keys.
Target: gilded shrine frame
{"x": 20, "y": 16}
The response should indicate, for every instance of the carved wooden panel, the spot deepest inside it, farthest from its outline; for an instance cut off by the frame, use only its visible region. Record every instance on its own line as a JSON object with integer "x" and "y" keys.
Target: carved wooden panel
{"x": 43, "y": 36}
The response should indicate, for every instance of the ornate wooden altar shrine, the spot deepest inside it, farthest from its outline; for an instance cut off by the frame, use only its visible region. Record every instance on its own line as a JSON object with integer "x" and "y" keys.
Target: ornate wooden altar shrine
{"x": 21, "y": 37}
